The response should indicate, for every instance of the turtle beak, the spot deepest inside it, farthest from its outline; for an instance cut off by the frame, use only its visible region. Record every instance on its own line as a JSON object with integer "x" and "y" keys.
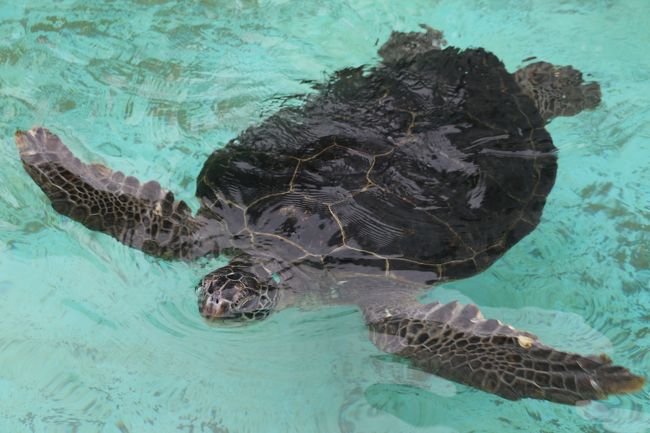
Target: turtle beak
{"x": 215, "y": 308}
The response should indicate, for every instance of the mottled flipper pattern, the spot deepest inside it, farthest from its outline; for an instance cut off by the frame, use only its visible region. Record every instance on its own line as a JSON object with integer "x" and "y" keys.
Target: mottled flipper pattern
{"x": 141, "y": 215}
{"x": 454, "y": 341}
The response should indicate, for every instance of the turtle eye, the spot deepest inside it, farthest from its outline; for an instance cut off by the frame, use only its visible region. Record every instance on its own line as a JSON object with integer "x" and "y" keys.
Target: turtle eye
{"x": 234, "y": 276}
{"x": 245, "y": 302}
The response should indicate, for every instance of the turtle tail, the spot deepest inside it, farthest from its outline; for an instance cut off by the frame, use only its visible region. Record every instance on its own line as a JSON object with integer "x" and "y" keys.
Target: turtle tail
{"x": 454, "y": 341}
{"x": 140, "y": 215}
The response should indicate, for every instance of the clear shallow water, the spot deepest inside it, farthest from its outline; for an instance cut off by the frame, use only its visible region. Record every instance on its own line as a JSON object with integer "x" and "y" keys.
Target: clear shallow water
{"x": 96, "y": 337}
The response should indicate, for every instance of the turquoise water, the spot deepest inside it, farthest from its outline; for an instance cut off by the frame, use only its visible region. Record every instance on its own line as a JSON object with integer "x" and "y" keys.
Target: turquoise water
{"x": 97, "y": 337}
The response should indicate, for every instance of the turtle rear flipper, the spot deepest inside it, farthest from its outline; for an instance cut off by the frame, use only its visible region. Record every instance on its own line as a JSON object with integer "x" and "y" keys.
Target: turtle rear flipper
{"x": 141, "y": 215}
{"x": 454, "y": 341}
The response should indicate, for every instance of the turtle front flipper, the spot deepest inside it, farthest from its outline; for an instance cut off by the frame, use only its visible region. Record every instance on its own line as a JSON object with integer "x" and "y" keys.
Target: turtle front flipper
{"x": 140, "y": 215}
{"x": 454, "y": 341}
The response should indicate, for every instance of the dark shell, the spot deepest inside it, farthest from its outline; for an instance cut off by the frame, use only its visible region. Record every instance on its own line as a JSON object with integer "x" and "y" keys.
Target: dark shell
{"x": 426, "y": 169}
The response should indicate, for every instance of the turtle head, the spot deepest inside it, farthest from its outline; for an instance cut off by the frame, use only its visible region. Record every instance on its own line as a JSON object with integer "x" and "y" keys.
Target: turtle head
{"x": 557, "y": 90}
{"x": 404, "y": 46}
{"x": 233, "y": 293}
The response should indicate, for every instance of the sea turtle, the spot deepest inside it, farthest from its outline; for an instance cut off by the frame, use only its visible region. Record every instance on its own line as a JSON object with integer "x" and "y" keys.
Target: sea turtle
{"x": 424, "y": 168}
